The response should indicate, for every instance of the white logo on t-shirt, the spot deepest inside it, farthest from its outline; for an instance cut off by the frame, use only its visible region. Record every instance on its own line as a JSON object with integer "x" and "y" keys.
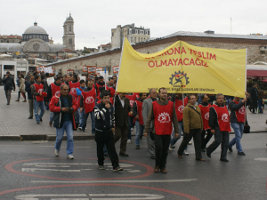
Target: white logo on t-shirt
{"x": 207, "y": 116}
{"x": 180, "y": 108}
{"x": 225, "y": 118}
{"x": 164, "y": 118}
{"x": 89, "y": 100}
{"x": 242, "y": 110}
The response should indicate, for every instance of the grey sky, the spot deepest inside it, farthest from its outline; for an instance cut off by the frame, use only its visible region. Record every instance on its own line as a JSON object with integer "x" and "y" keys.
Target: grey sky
{"x": 94, "y": 18}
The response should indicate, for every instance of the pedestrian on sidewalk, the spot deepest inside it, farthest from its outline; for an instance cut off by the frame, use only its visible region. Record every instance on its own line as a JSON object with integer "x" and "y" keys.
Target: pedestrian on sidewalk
{"x": 193, "y": 126}
{"x": 237, "y": 118}
{"x": 28, "y": 86}
{"x": 38, "y": 102}
{"x": 64, "y": 107}
{"x": 146, "y": 107}
{"x": 163, "y": 114}
{"x": 104, "y": 128}
{"x": 9, "y": 85}
{"x": 21, "y": 87}
{"x": 219, "y": 122}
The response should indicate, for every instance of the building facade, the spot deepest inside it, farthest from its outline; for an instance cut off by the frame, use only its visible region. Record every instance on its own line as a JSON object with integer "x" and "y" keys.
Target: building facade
{"x": 69, "y": 36}
{"x": 132, "y": 33}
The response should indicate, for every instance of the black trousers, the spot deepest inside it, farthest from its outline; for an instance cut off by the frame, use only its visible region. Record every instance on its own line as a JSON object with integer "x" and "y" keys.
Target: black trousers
{"x": 219, "y": 138}
{"x": 106, "y": 138}
{"x": 8, "y": 95}
{"x": 205, "y": 138}
{"x": 196, "y": 134}
{"x": 121, "y": 133}
{"x": 161, "y": 150}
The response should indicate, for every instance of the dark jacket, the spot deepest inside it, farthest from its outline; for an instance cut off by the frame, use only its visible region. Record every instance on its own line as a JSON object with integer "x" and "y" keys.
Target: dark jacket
{"x": 55, "y": 107}
{"x": 121, "y": 113}
{"x": 104, "y": 118}
{"x": 28, "y": 89}
{"x": 9, "y": 83}
{"x": 213, "y": 119}
{"x": 234, "y": 107}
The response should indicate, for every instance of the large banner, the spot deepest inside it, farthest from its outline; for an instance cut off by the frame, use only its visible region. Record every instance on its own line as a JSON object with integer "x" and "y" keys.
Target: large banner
{"x": 183, "y": 68}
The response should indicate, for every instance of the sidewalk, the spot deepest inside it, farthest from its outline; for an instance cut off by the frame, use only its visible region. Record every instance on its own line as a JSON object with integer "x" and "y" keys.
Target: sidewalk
{"x": 15, "y": 125}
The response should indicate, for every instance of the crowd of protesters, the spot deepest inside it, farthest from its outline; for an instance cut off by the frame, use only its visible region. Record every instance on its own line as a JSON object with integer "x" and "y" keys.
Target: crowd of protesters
{"x": 161, "y": 117}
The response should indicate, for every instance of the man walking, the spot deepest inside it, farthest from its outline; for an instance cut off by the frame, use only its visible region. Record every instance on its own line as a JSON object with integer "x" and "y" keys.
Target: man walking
{"x": 28, "y": 87}
{"x": 9, "y": 85}
{"x": 105, "y": 121}
{"x": 146, "y": 107}
{"x": 163, "y": 113}
{"x": 122, "y": 111}
{"x": 237, "y": 118}
{"x": 219, "y": 122}
{"x": 193, "y": 126}
{"x": 63, "y": 107}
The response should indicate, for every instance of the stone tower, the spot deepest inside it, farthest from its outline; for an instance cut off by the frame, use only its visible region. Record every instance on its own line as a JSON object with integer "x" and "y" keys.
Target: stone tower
{"x": 69, "y": 36}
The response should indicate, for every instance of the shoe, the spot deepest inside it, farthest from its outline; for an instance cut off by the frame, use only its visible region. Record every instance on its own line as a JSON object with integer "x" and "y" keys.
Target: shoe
{"x": 200, "y": 159}
{"x": 38, "y": 122}
{"x": 129, "y": 141}
{"x": 171, "y": 147}
{"x": 24, "y": 100}
{"x": 124, "y": 154}
{"x": 56, "y": 153}
{"x": 41, "y": 119}
{"x": 30, "y": 117}
{"x": 8, "y": 104}
{"x": 190, "y": 143}
{"x": 180, "y": 156}
{"x": 163, "y": 171}
{"x": 186, "y": 153}
{"x": 101, "y": 167}
{"x": 156, "y": 170}
{"x": 70, "y": 157}
{"x": 230, "y": 149}
{"x": 153, "y": 157}
{"x": 224, "y": 160}
{"x": 208, "y": 154}
{"x": 50, "y": 123}
{"x": 17, "y": 100}
{"x": 117, "y": 169}
{"x": 80, "y": 128}
{"x": 137, "y": 147}
{"x": 241, "y": 153}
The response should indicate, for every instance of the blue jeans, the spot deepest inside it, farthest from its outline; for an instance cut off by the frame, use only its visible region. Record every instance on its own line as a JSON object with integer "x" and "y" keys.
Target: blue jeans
{"x": 67, "y": 125}
{"x": 51, "y": 117}
{"x": 84, "y": 120}
{"x": 139, "y": 132}
{"x": 260, "y": 106}
{"x": 181, "y": 130}
{"x": 238, "y": 129}
{"x": 36, "y": 106}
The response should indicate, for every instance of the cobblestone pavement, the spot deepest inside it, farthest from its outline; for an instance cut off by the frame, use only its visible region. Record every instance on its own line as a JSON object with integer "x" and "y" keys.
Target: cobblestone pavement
{"x": 14, "y": 122}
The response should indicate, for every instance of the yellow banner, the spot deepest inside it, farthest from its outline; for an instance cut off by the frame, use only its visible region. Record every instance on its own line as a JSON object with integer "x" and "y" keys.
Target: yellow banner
{"x": 183, "y": 68}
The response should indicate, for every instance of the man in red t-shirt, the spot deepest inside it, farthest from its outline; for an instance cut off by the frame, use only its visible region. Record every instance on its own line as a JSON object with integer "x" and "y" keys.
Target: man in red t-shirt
{"x": 163, "y": 113}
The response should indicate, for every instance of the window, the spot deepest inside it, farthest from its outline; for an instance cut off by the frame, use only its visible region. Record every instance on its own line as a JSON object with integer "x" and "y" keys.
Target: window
{"x": 130, "y": 31}
{"x": 70, "y": 41}
{"x": 70, "y": 29}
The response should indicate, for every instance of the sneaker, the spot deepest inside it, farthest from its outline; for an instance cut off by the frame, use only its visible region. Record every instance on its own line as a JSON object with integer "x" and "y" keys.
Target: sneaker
{"x": 80, "y": 128}
{"x": 129, "y": 141}
{"x": 101, "y": 167}
{"x": 190, "y": 143}
{"x": 117, "y": 169}
{"x": 186, "y": 153}
{"x": 56, "y": 152}
{"x": 241, "y": 153}
{"x": 171, "y": 147}
{"x": 70, "y": 157}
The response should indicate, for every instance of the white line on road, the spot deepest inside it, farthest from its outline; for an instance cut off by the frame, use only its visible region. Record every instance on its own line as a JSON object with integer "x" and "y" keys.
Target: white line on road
{"x": 260, "y": 159}
{"x": 119, "y": 181}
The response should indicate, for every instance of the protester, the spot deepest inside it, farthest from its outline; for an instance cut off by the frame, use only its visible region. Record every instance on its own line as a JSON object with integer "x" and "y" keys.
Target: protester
{"x": 139, "y": 122}
{"x": 146, "y": 107}
{"x": 219, "y": 122}
{"x": 206, "y": 133}
{"x": 38, "y": 103}
{"x": 9, "y": 85}
{"x": 29, "y": 83}
{"x": 122, "y": 111}
{"x": 163, "y": 114}
{"x": 193, "y": 126}
{"x": 237, "y": 118}
{"x": 105, "y": 122}
{"x": 21, "y": 85}
{"x": 253, "y": 101}
{"x": 64, "y": 107}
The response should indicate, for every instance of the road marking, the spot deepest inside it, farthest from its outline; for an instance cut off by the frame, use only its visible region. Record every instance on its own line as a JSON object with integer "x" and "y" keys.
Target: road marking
{"x": 260, "y": 159}
{"x": 51, "y": 170}
{"x": 119, "y": 181}
{"x": 44, "y": 165}
{"x": 90, "y": 196}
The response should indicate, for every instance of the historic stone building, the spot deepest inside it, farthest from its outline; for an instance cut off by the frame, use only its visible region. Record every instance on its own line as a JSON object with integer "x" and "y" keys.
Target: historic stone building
{"x": 256, "y": 49}
{"x": 133, "y": 34}
{"x": 69, "y": 36}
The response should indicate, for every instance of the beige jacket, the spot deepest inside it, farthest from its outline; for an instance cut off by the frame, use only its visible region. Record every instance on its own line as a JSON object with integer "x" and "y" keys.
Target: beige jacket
{"x": 192, "y": 118}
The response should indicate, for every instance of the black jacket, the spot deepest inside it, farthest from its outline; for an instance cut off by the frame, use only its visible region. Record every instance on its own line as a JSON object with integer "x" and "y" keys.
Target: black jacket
{"x": 28, "y": 89}
{"x": 121, "y": 113}
{"x": 9, "y": 83}
{"x": 213, "y": 119}
{"x": 104, "y": 118}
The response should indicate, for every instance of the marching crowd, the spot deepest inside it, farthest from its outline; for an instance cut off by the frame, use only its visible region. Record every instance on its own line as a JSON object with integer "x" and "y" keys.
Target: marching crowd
{"x": 161, "y": 117}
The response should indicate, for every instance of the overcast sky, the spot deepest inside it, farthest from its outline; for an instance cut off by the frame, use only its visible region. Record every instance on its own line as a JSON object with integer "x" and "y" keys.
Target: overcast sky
{"x": 93, "y": 19}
